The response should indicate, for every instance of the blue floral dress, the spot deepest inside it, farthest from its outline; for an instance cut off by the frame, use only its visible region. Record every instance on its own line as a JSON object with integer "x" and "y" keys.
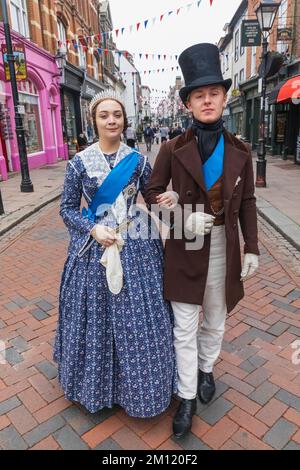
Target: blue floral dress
{"x": 113, "y": 349}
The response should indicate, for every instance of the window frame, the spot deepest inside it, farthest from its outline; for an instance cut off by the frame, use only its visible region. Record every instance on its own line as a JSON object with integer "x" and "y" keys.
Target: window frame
{"x": 20, "y": 7}
{"x": 236, "y": 45}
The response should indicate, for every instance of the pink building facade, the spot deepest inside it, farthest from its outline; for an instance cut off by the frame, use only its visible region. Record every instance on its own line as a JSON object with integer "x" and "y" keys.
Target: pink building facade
{"x": 40, "y": 102}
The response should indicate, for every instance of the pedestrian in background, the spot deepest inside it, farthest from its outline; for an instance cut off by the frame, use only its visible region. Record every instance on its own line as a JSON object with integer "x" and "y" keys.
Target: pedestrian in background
{"x": 148, "y": 136}
{"x": 130, "y": 136}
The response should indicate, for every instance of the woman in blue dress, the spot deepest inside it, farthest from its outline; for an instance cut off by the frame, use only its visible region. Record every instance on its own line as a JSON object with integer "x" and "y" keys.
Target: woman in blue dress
{"x": 114, "y": 341}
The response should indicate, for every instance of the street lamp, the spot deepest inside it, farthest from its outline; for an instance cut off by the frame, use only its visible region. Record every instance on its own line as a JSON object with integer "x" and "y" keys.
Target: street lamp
{"x": 26, "y": 184}
{"x": 266, "y": 13}
{"x": 60, "y": 60}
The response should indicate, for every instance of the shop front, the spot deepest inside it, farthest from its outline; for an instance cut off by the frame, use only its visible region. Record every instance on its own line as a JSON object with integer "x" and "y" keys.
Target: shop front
{"x": 89, "y": 89}
{"x": 71, "y": 112}
{"x": 40, "y": 109}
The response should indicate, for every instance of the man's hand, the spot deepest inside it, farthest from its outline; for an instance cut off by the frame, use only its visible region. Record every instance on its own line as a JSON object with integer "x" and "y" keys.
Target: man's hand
{"x": 250, "y": 265}
{"x": 200, "y": 223}
{"x": 168, "y": 200}
{"x": 106, "y": 236}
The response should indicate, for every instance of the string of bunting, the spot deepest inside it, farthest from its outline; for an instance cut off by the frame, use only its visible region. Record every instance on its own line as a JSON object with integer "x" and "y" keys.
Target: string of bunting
{"x": 95, "y": 49}
{"x": 87, "y": 41}
{"x": 149, "y": 71}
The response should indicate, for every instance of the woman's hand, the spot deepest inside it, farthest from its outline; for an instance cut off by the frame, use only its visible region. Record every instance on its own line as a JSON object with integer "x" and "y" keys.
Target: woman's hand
{"x": 168, "y": 200}
{"x": 106, "y": 236}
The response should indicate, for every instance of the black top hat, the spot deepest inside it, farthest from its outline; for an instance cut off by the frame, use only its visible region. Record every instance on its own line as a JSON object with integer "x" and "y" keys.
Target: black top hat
{"x": 200, "y": 65}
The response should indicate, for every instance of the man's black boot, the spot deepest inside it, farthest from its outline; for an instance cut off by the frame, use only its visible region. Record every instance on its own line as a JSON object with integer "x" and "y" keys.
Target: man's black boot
{"x": 206, "y": 386}
{"x": 182, "y": 422}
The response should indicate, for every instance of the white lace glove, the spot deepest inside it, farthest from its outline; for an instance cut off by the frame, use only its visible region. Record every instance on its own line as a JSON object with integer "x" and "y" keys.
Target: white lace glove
{"x": 168, "y": 200}
{"x": 112, "y": 262}
{"x": 106, "y": 236}
{"x": 250, "y": 265}
{"x": 199, "y": 223}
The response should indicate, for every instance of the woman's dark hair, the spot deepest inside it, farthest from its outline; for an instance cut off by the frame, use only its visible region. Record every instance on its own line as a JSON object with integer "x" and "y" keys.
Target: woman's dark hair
{"x": 95, "y": 111}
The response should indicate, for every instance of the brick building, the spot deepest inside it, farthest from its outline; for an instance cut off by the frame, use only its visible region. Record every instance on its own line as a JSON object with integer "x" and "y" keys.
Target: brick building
{"x": 282, "y": 119}
{"x": 39, "y": 94}
{"x": 78, "y": 33}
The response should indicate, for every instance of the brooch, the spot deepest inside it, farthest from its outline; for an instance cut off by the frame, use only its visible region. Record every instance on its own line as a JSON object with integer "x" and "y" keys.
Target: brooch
{"x": 129, "y": 191}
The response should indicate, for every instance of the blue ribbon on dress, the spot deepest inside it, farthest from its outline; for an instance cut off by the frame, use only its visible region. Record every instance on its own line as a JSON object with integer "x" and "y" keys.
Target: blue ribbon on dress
{"x": 213, "y": 167}
{"x": 111, "y": 187}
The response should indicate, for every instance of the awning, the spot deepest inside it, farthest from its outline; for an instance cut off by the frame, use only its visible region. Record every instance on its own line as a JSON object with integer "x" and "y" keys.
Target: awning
{"x": 287, "y": 91}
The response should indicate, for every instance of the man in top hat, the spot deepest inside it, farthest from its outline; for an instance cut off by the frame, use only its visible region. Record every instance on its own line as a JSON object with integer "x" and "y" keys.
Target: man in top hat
{"x": 211, "y": 169}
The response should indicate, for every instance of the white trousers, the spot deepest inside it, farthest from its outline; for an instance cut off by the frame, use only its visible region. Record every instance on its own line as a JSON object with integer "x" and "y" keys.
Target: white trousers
{"x": 198, "y": 346}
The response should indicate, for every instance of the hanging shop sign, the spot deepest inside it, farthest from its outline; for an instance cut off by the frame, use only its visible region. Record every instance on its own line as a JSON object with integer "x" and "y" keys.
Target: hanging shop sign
{"x": 284, "y": 34}
{"x": 19, "y": 63}
{"x": 251, "y": 33}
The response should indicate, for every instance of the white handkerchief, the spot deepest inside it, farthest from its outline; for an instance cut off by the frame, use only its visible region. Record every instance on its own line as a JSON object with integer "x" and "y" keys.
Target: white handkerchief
{"x": 112, "y": 262}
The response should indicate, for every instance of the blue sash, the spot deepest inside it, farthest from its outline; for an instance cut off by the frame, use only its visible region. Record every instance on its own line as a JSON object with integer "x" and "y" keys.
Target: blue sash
{"x": 112, "y": 186}
{"x": 213, "y": 167}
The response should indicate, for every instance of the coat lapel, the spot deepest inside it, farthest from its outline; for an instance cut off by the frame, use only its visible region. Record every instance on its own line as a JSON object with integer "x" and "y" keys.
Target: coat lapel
{"x": 234, "y": 160}
{"x": 186, "y": 151}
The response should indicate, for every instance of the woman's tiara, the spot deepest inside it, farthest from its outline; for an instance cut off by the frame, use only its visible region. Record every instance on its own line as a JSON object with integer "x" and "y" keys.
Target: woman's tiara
{"x": 105, "y": 95}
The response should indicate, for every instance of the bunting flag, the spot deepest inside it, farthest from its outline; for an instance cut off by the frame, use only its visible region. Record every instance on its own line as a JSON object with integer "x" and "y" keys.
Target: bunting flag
{"x": 96, "y": 38}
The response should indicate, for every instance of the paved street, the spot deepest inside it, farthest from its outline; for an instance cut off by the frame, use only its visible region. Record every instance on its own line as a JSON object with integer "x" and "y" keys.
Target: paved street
{"x": 257, "y": 405}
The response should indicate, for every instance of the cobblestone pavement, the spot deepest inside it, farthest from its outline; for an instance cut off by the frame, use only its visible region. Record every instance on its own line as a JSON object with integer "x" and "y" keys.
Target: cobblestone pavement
{"x": 257, "y": 404}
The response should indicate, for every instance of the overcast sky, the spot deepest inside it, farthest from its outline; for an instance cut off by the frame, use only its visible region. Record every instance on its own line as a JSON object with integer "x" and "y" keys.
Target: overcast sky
{"x": 171, "y": 36}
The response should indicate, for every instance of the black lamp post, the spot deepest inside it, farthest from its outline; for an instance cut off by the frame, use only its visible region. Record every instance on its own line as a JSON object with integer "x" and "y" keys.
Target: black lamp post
{"x": 266, "y": 13}
{"x": 1, "y": 205}
{"x": 26, "y": 184}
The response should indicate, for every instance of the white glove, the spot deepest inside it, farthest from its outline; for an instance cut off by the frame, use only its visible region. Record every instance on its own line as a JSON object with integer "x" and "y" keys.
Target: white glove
{"x": 199, "y": 223}
{"x": 106, "y": 236}
{"x": 112, "y": 262}
{"x": 168, "y": 200}
{"x": 250, "y": 265}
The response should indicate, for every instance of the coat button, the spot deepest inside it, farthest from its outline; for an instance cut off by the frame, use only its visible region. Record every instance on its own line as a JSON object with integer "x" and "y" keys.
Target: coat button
{"x": 236, "y": 211}
{"x": 189, "y": 193}
{"x": 234, "y": 225}
{"x": 234, "y": 195}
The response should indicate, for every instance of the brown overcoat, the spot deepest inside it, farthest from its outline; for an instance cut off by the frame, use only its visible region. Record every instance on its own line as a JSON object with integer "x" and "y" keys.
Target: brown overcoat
{"x": 178, "y": 161}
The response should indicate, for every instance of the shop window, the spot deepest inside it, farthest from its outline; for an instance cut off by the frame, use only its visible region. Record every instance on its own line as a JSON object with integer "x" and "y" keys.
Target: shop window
{"x": 19, "y": 17}
{"x": 70, "y": 119}
{"x": 29, "y": 98}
